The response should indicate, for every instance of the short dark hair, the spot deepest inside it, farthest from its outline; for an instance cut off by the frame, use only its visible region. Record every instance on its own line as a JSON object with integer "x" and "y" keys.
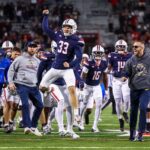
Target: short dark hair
{"x": 16, "y": 49}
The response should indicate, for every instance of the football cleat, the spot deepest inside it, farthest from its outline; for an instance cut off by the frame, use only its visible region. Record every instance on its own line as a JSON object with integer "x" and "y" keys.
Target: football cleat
{"x": 36, "y": 132}
{"x": 12, "y": 125}
{"x": 27, "y": 130}
{"x": 46, "y": 129}
{"x": 62, "y": 133}
{"x": 7, "y": 129}
{"x": 72, "y": 134}
{"x": 96, "y": 130}
{"x": 81, "y": 127}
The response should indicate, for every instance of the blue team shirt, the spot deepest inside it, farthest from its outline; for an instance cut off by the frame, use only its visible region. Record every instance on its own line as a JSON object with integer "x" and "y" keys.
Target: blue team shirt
{"x": 118, "y": 61}
{"x": 4, "y": 66}
{"x": 67, "y": 46}
{"x": 95, "y": 72}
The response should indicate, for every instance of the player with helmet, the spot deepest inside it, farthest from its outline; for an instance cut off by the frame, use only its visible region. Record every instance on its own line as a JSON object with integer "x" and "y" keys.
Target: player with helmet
{"x": 120, "y": 88}
{"x": 4, "y": 65}
{"x": 7, "y": 46}
{"x": 58, "y": 95}
{"x": 93, "y": 73}
{"x": 79, "y": 87}
{"x": 69, "y": 46}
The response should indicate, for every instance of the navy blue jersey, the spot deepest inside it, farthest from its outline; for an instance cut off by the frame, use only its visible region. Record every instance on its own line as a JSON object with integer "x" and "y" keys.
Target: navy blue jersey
{"x": 67, "y": 47}
{"x": 117, "y": 62}
{"x": 45, "y": 65}
{"x": 95, "y": 72}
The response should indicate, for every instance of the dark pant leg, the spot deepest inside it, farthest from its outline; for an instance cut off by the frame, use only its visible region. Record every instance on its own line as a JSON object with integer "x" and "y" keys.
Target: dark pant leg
{"x": 144, "y": 100}
{"x": 36, "y": 99}
{"x": 134, "y": 110}
{"x": 23, "y": 92}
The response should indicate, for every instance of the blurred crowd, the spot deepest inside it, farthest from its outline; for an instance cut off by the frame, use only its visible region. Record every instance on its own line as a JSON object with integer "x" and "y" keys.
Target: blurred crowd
{"x": 134, "y": 21}
{"x": 21, "y": 21}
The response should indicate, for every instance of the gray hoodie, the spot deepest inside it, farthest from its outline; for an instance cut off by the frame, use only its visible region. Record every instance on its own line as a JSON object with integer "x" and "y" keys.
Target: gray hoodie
{"x": 23, "y": 70}
{"x": 138, "y": 71}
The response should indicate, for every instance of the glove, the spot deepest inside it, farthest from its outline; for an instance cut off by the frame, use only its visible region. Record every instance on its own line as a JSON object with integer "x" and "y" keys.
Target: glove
{"x": 81, "y": 85}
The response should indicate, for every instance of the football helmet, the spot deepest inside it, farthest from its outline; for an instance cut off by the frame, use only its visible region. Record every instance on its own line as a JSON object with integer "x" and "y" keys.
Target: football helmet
{"x": 7, "y": 44}
{"x": 98, "y": 52}
{"x": 54, "y": 47}
{"x": 85, "y": 56}
{"x": 72, "y": 24}
{"x": 120, "y": 46}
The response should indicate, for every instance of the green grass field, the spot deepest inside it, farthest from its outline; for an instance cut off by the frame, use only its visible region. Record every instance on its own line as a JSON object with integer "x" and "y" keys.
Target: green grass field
{"x": 109, "y": 138}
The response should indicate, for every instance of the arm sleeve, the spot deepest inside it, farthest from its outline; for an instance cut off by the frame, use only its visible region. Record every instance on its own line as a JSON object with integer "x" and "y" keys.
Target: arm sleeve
{"x": 77, "y": 60}
{"x": 128, "y": 69}
{"x": 77, "y": 76}
{"x": 110, "y": 60}
{"x": 42, "y": 67}
{"x": 13, "y": 69}
{"x": 45, "y": 26}
{"x": 6, "y": 73}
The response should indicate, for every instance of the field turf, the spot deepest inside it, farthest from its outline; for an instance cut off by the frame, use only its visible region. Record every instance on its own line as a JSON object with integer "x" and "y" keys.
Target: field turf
{"x": 109, "y": 138}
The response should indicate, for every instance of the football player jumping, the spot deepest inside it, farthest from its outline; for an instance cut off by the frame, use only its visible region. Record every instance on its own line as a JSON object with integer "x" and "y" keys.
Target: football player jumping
{"x": 69, "y": 54}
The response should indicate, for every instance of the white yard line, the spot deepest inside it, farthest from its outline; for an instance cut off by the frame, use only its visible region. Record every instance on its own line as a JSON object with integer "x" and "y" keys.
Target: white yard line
{"x": 55, "y": 147}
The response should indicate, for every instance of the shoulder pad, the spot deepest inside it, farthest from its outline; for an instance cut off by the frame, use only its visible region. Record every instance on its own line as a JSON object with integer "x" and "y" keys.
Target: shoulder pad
{"x": 81, "y": 42}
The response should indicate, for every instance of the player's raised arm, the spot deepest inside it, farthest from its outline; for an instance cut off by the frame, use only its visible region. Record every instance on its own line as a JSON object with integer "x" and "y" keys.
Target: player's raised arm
{"x": 45, "y": 25}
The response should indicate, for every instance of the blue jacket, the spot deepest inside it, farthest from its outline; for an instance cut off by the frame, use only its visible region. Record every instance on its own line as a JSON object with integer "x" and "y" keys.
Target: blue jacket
{"x": 4, "y": 66}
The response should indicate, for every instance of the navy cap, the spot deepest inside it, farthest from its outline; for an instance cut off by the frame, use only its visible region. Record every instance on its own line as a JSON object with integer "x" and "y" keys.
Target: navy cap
{"x": 32, "y": 44}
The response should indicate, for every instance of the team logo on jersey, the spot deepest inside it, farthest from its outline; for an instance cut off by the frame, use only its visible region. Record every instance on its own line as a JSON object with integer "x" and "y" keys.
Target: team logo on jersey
{"x": 141, "y": 70}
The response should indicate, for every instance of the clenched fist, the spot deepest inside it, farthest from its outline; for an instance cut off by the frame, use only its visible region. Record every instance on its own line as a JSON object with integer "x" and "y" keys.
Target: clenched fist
{"x": 45, "y": 12}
